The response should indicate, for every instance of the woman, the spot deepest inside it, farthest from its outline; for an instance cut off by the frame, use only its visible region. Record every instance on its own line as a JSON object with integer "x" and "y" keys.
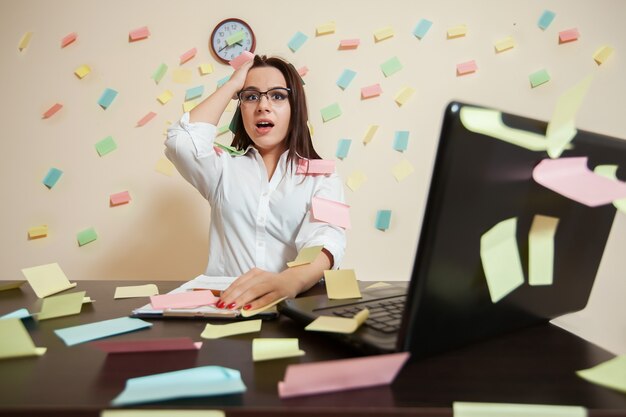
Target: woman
{"x": 260, "y": 206}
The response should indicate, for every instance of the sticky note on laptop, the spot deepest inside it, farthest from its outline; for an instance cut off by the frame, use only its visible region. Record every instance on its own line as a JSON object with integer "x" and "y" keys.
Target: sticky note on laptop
{"x": 341, "y": 284}
{"x": 334, "y": 324}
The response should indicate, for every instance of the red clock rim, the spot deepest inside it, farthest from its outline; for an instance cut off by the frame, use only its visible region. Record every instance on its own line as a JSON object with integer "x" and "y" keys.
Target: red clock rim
{"x": 232, "y": 19}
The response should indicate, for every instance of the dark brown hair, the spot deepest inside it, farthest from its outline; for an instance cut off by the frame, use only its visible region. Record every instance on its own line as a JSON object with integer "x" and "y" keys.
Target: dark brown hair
{"x": 298, "y": 138}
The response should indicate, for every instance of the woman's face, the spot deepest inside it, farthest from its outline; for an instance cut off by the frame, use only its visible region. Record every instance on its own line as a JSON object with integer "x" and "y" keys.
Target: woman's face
{"x": 266, "y": 120}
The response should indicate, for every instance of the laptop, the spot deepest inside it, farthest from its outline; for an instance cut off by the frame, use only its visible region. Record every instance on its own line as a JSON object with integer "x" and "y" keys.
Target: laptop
{"x": 478, "y": 181}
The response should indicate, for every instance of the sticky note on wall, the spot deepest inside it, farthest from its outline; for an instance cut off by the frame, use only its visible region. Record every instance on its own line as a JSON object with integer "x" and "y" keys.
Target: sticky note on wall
{"x": 391, "y": 66}
{"x": 86, "y": 236}
{"x": 602, "y": 54}
{"x": 145, "y": 119}
{"x": 325, "y": 29}
{"x": 401, "y": 140}
{"x": 539, "y": 77}
{"x": 349, "y": 44}
{"x": 369, "y": 134}
{"x": 25, "y": 41}
{"x": 345, "y": 78}
{"x": 68, "y": 39}
{"x": 52, "y": 110}
{"x": 138, "y": 34}
{"x": 106, "y": 145}
{"x": 343, "y": 146}
{"x": 107, "y": 98}
{"x": 383, "y": 33}
{"x": 331, "y": 112}
{"x": 38, "y": 232}
{"x": 422, "y": 28}
{"x": 119, "y": 198}
{"x": 158, "y": 74}
{"x": 457, "y": 31}
{"x": 383, "y": 219}
{"x": 371, "y": 91}
{"x": 297, "y": 41}
{"x": 188, "y": 55}
{"x": 568, "y": 35}
{"x": 465, "y": 68}
{"x": 546, "y": 19}
{"x": 403, "y": 96}
{"x": 82, "y": 71}
{"x": 52, "y": 177}
{"x": 504, "y": 44}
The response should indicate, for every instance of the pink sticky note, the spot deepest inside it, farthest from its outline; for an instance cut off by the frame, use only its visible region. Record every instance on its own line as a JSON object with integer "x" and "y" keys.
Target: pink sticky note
{"x": 568, "y": 35}
{"x": 303, "y": 71}
{"x": 148, "y": 345}
{"x": 341, "y": 375}
{"x": 349, "y": 43}
{"x": 68, "y": 39}
{"x": 146, "y": 118}
{"x": 52, "y": 110}
{"x": 315, "y": 166}
{"x": 188, "y": 55}
{"x": 466, "y": 67}
{"x": 571, "y": 178}
{"x": 139, "y": 34}
{"x": 330, "y": 211}
{"x": 241, "y": 59}
{"x": 218, "y": 150}
{"x": 119, "y": 198}
{"x": 185, "y": 299}
{"x": 371, "y": 91}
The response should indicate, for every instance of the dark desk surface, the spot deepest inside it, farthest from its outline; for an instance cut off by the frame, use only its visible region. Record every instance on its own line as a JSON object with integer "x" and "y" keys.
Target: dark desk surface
{"x": 535, "y": 365}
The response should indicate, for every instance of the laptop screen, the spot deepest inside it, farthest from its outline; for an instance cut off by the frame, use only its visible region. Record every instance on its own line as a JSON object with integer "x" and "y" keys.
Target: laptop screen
{"x": 478, "y": 182}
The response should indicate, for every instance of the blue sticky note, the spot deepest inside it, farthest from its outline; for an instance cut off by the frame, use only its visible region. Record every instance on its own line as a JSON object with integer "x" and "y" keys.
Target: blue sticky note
{"x": 22, "y": 313}
{"x": 422, "y": 28}
{"x": 100, "y": 329}
{"x": 187, "y": 383}
{"x": 107, "y": 98}
{"x": 343, "y": 146}
{"x": 346, "y": 78}
{"x": 383, "y": 219}
{"x": 546, "y": 18}
{"x": 222, "y": 81}
{"x": 297, "y": 41}
{"x": 52, "y": 177}
{"x": 401, "y": 140}
{"x": 194, "y": 92}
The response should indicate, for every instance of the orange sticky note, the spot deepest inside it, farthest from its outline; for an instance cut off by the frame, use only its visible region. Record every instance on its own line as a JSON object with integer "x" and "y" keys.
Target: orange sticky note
{"x": 330, "y": 211}
{"x": 146, "y": 118}
{"x": 138, "y": 34}
{"x": 569, "y": 35}
{"x": 52, "y": 110}
{"x": 68, "y": 39}
{"x": 349, "y": 43}
{"x": 371, "y": 91}
{"x": 119, "y": 198}
{"x": 188, "y": 55}
{"x": 466, "y": 67}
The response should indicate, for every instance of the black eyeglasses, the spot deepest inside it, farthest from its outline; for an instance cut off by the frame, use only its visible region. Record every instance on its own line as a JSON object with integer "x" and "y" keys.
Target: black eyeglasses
{"x": 278, "y": 95}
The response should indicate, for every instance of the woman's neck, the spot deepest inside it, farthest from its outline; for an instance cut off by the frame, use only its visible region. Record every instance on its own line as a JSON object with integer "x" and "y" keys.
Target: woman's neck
{"x": 270, "y": 159}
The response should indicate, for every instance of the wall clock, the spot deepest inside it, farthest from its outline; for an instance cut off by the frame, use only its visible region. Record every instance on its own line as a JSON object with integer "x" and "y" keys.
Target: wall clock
{"x": 230, "y": 38}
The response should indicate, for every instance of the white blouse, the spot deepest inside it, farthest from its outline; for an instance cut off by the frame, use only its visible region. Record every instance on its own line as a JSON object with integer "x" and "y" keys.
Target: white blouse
{"x": 254, "y": 222}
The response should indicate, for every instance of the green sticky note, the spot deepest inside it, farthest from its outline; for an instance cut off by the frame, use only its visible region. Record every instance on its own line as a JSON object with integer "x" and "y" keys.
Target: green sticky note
{"x": 391, "y": 66}
{"x": 158, "y": 75}
{"x": 231, "y": 150}
{"x": 343, "y": 146}
{"x": 611, "y": 374}
{"x": 541, "y": 250}
{"x": 383, "y": 219}
{"x": 297, "y": 41}
{"x": 105, "y": 146}
{"x": 401, "y": 140}
{"x": 86, "y": 236}
{"x": 235, "y": 37}
{"x": 61, "y": 305}
{"x": 538, "y": 78}
{"x": 52, "y": 177}
{"x": 331, "y": 112}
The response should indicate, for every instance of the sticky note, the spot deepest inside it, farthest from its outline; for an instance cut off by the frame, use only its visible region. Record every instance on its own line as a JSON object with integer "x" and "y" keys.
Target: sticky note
{"x": 504, "y": 44}
{"x": 165, "y": 167}
{"x": 15, "y": 341}
{"x": 24, "y": 41}
{"x": 341, "y": 284}
{"x": 52, "y": 110}
{"x": 267, "y": 307}
{"x": 106, "y": 145}
{"x": 274, "y": 348}
{"x": 378, "y": 285}
{"x": 297, "y": 41}
{"x": 539, "y": 77}
{"x": 241, "y": 59}
{"x": 325, "y": 29}
{"x": 188, "y": 55}
{"x": 500, "y": 258}
{"x": 546, "y": 19}
{"x": 52, "y": 177}
{"x": 133, "y": 291}
{"x": 145, "y": 119}
{"x": 602, "y": 54}
{"x": 466, "y": 68}
{"x": 187, "y": 299}
{"x": 315, "y": 166}
{"x": 541, "y": 250}
{"x": 422, "y": 28}
{"x": 383, "y": 219}
{"x": 349, "y": 43}
{"x": 222, "y": 81}
{"x": 68, "y": 39}
{"x": 165, "y": 96}
{"x": 138, "y": 34}
{"x": 10, "y": 285}
{"x": 330, "y": 211}
{"x": 146, "y": 345}
{"x": 47, "y": 279}
{"x": 333, "y": 324}
{"x": 119, "y": 198}
{"x": 189, "y": 106}
{"x": 369, "y": 134}
{"x": 466, "y": 409}
{"x": 86, "y": 236}
{"x": 340, "y": 375}
{"x": 306, "y": 256}
{"x": 159, "y": 73}
{"x": 356, "y": 180}
{"x": 107, "y": 98}
{"x": 343, "y": 147}
{"x": 302, "y": 71}
{"x": 610, "y": 171}
{"x": 383, "y": 33}
{"x": 217, "y": 331}
{"x": 206, "y": 68}
{"x": 235, "y": 37}
{"x": 61, "y": 305}
{"x": 403, "y": 96}
{"x": 331, "y": 112}
{"x": 568, "y": 35}
{"x": 201, "y": 381}
{"x": 402, "y": 169}
{"x": 82, "y": 71}
{"x": 345, "y": 78}
{"x": 194, "y": 92}
{"x": 391, "y": 66}
{"x": 457, "y": 31}
{"x": 371, "y": 91}
{"x": 610, "y": 374}
{"x": 99, "y": 330}
{"x": 401, "y": 140}
{"x": 181, "y": 76}
{"x": 38, "y": 231}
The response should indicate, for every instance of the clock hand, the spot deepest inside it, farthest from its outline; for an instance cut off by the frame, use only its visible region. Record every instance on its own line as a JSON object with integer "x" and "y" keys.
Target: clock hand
{"x": 226, "y": 46}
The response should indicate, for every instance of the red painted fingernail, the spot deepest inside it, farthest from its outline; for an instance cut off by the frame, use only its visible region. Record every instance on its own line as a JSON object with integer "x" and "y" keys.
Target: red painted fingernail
{"x": 220, "y": 304}
{"x": 231, "y": 306}
{"x": 247, "y": 307}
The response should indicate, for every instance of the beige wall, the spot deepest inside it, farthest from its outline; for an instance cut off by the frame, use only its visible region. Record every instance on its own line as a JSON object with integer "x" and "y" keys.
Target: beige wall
{"x": 162, "y": 233}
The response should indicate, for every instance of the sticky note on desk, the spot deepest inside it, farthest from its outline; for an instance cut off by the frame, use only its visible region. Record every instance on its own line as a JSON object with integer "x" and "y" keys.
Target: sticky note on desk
{"x": 541, "y": 250}
{"x": 107, "y": 98}
{"x": 47, "y": 279}
{"x": 132, "y": 291}
{"x": 267, "y": 307}
{"x": 466, "y": 409}
{"x": 187, "y": 383}
{"x": 61, "y": 305}
{"x": 52, "y": 177}
{"x": 217, "y": 331}
{"x": 10, "y": 285}
{"x": 330, "y": 211}
{"x": 99, "y": 330}
{"x": 331, "y": 112}
{"x": 306, "y": 256}
{"x": 269, "y": 348}
{"x": 186, "y": 299}
{"x": 170, "y": 412}
{"x": 147, "y": 345}
{"x": 341, "y": 284}
{"x": 610, "y": 374}
{"x": 15, "y": 341}
{"x": 333, "y": 324}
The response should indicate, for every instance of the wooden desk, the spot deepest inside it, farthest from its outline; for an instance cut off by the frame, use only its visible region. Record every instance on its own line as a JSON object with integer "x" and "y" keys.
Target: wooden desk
{"x": 535, "y": 365}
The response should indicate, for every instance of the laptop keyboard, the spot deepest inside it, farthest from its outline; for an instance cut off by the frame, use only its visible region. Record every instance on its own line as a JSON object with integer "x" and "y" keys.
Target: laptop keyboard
{"x": 385, "y": 315}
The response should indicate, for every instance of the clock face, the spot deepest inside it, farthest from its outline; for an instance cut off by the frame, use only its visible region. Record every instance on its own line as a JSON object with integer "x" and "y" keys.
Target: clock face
{"x": 230, "y": 38}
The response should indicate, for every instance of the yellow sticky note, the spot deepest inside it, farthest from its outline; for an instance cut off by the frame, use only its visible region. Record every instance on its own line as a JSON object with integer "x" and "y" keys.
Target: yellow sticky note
{"x": 38, "y": 231}
{"x": 232, "y": 105}
{"x": 464, "y": 409}
{"x": 403, "y": 96}
{"x": 325, "y": 29}
{"x": 15, "y": 341}
{"x": 338, "y": 324}
{"x": 216, "y": 331}
{"x": 541, "y": 250}
{"x": 164, "y": 166}
{"x": 457, "y": 31}
{"x": 378, "y": 285}
{"x": 250, "y": 313}
{"x": 610, "y": 171}
{"x": 131, "y": 291}
{"x": 383, "y": 33}
{"x": 162, "y": 413}
{"x": 402, "y": 169}
{"x": 10, "y": 285}
{"x": 24, "y": 41}
{"x": 310, "y": 126}
{"x": 355, "y": 180}
{"x": 504, "y": 44}
{"x": 268, "y": 348}
{"x": 47, "y": 279}
{"x": 61, "y": 305}
{"x": 165, "y": 96}
{"x": 189, "y": 105}
{"x": 501, "y": 260}
{"x": 306, "y": 256}
{"x": 205, "y": 68}
{"x": 602, "y": 54}
{"x": 611, "y": 374}
{"x": 82, "y": 71}
{"x": 181, "y": 76}
{"x": 341, "y": 284}
{"x": 369, "y": 133}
